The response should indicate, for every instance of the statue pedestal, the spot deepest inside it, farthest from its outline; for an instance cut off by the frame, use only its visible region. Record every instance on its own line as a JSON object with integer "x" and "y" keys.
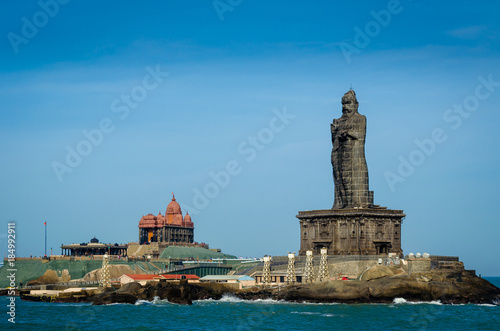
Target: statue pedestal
{"x": 351, "y": 231}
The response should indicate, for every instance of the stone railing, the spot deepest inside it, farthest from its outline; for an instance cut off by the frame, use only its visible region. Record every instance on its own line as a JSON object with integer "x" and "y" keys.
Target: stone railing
{"x": 445, "y": 258}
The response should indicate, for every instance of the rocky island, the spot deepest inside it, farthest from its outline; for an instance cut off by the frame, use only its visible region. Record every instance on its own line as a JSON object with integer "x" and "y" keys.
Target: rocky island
{"x": 378, "y": 285}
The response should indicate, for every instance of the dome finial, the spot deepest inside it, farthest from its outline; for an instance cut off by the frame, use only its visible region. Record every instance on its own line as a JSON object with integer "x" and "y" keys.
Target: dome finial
{"x": 173, "y": 196}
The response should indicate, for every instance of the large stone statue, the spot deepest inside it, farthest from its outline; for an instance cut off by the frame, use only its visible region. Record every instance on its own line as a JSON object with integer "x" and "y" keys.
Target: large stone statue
{"x": 354, "y": 225}
{"x": 350, "y": 173}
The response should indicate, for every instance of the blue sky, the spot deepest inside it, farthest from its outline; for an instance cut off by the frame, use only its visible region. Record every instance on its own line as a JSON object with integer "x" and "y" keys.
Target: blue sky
{"x": 275, "y": 71}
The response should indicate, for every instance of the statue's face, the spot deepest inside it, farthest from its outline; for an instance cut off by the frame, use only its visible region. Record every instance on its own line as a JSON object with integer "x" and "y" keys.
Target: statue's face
{"x": 349, "y": 107}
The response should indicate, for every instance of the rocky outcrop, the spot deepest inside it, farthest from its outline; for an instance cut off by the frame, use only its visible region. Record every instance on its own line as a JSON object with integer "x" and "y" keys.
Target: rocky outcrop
{"x": 65, "y": 276}
{"x": 446, "y": 287}
{"x": 174, "y": 293}
{"x": 109, "y": 296}
{"x": 381, "y": 285}
{"x": 49, "y": 277}
{"x": 377, "y": 272}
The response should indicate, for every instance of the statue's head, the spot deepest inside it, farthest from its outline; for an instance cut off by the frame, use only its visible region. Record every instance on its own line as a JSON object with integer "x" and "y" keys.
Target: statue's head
{"x": 349, "y": 103}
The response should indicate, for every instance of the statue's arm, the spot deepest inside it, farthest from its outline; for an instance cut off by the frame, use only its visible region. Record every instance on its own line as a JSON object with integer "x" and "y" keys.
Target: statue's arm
{"x": 334, "y": 127}
{"x": 360, "y": 132}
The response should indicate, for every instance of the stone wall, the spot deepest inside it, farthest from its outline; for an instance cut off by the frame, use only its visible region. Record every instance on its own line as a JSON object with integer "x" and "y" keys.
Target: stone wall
{"x": 420, "y": 265}
{"x": 353, "y": 269}
{"x": 355, "y": 231}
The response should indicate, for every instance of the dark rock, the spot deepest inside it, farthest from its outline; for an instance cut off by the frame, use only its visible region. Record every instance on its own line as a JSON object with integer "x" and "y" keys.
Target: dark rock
{"x": 113, "y": 297}
{"x": 131, "y": 288}
{"x": 180, "y": 294}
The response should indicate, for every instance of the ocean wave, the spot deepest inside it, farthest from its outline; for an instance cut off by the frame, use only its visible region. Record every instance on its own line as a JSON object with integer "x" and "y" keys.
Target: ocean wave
{"x": 315, "y": 313}
{"x": 225, "y": 298}
{"x": 141, "y": 302}
{"x": 320, "y": 303}
{"x": 205, "y": 300}
{"x": 270, "y": 301}
{"x": 234, "y": 299}
{"x": 117, "y": 304}
{"x": 155, "y": 301}
{"x": 305, "y": 313}
{"x": 69, "y": 304}
{"x": 230, "y": 298}
{"x": 398, "y": 301}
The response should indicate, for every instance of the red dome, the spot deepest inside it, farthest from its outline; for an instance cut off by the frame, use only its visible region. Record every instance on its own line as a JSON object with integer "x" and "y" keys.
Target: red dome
{"x": 173, "y": 207}
{"x": 187, "y": 221}
{"x": 160, "y": 220}
{"x": 177, "y": 220}
{"x": 148, "y": 221}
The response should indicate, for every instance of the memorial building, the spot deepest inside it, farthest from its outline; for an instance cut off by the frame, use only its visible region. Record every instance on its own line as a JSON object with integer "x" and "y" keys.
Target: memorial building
{"x": 171, "y": 228}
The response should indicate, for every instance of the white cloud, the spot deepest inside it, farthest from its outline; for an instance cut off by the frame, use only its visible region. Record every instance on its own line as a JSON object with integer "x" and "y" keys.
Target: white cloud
{"x": 469, "y": 32}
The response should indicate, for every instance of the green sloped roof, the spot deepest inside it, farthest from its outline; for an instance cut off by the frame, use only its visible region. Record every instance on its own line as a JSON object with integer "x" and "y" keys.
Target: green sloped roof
{"x": 197, "y": 253}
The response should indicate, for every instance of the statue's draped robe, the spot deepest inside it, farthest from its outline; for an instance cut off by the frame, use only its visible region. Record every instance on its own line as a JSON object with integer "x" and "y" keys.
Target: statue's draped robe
{"x": 350, "y": 171}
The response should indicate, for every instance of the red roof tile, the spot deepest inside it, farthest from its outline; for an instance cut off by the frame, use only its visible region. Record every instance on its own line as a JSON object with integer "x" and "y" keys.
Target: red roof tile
{"x": 142, "y": 277}
{"x": 170, "y": 276}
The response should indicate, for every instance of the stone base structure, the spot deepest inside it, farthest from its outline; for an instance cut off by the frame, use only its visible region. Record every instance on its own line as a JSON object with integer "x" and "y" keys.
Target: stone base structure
{"x": 351, "y": 231}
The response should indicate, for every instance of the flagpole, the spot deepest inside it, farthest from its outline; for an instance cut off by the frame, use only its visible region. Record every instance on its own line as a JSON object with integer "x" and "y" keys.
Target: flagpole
{"x": 45, "y": 223}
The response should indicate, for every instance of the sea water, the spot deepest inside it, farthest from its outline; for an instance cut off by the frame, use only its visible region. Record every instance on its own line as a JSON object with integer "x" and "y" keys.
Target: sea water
{"x": 231, "y": 313}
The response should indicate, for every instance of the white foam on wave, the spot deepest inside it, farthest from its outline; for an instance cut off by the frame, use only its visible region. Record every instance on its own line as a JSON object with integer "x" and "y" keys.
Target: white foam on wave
{"x": 230, "y": 298}
{"x": 117, "y": 304}
{"x": 234, "y": 299}
{"x": 305, "y": 313}
{"x": 398, "y": 301}
{"x": 158, "y": 301}
{"x": 204, "y": 300}
{"x": 320, "y": 303}
{"x": 155, "y": 301}
{"x": 225, "y": 298}
{"x": 142, "y": 302}
{"x": 332, "y": 315}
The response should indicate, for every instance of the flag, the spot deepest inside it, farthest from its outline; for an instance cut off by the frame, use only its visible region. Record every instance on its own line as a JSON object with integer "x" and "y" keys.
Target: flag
{"x": 44, "y": 223}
